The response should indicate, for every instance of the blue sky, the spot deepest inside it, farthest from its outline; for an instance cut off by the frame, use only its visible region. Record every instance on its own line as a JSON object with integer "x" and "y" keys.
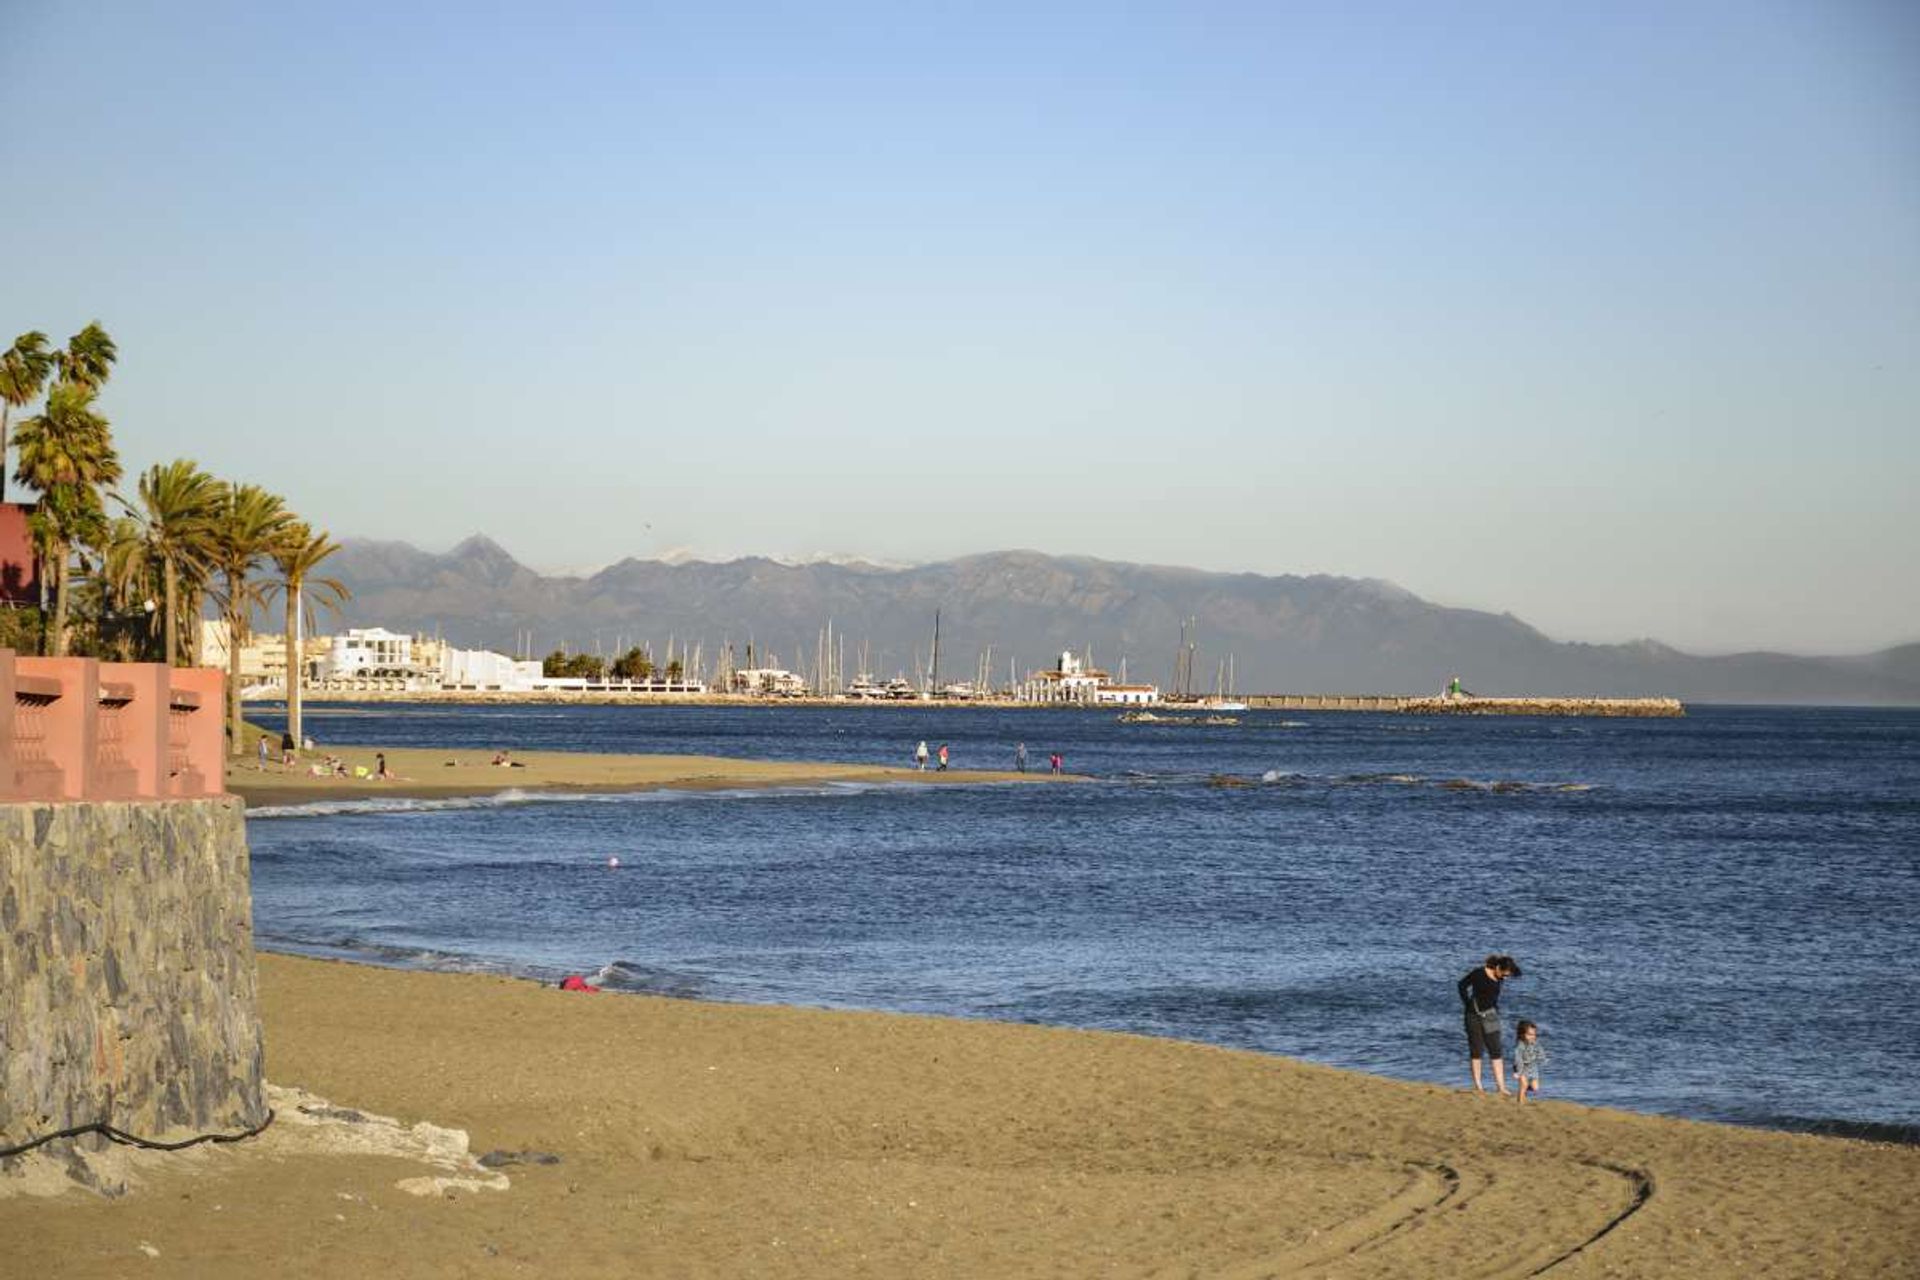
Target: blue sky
{"x": 1609, "y": 318}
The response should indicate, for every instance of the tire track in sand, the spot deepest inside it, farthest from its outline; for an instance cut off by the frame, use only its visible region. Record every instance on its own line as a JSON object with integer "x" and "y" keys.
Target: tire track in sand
{"x": 1432, "y": 1186}
{"x": 1428, "y": 1187}
{"x": 1640, "y": 1184}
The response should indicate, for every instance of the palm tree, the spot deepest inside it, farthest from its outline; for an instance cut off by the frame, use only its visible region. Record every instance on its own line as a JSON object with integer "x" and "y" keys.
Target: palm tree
{"x": 176, "y": 509}
{"x": 127, "y": 580}
{"x": 112, "y": 598}
{"x": 24, "y": 369}
{"x": 297, "y": 555}
{"x": 66, "y": 452}
{"x": 248, "y": 523}
{"x": 89, "y": 358}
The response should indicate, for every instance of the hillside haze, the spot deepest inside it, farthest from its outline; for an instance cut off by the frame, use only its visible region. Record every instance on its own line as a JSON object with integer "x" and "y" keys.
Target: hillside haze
{"x": 1311, "y": 634}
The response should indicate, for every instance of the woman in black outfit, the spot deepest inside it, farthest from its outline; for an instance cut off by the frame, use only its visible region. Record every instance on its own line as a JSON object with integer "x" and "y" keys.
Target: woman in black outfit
{"x": 1480, "y": 1000}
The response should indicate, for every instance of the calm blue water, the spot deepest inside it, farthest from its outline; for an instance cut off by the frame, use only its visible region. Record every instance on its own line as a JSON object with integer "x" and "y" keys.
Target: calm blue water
{"x": 1716, "y": 915}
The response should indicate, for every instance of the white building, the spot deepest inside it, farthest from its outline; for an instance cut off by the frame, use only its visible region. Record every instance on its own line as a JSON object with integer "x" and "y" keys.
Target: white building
{"x": 1073, "y": 681}
{"x": 1127, "y": 695}
{"x": 369, "y": 653}
{"x": 773, "y": 682}
{"x": 580, "y": 684}
{"x": 483, "y": 670}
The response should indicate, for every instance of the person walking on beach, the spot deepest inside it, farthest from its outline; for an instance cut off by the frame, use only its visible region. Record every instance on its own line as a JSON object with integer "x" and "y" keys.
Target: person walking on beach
{"x": 1056, "y": 760}
{"x": 1528, "y": 1056}
{"x": 920, "y": 755}
{"x": 943, "y": 757}
{"x": 263, "y": 753}
{"x": 1480, "y": 1001}
{"x": 380, "y": 766}
{"x": 1020, "y": 757}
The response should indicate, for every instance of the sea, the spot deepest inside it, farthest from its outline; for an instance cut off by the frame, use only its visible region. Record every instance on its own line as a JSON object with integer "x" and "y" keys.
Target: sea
{"x": 1717, "y": 916}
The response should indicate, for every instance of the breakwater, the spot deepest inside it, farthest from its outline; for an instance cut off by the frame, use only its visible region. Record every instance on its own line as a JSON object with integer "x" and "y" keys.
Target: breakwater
{"x": 1468, "y": 705}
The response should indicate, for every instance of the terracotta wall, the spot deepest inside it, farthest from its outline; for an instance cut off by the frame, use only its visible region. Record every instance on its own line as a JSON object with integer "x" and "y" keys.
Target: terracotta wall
{"x": 80, "y": 729}
{"x": 19, "y": 567}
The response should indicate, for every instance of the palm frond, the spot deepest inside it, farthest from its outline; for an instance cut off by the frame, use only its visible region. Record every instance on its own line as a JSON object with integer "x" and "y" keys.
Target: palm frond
{"x": 25, "y": 368}
{"x": 89, "y": 357}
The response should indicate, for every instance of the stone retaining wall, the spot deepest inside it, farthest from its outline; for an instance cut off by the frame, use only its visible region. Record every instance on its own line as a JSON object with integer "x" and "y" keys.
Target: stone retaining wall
{"x": 127, "y": 981}
{"x": 1327, "y": 701}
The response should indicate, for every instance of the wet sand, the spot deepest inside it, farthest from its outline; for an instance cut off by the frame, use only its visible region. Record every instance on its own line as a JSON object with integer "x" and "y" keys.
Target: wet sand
{"x": 422, "y": 773}
{"x": 699, "y": 1139}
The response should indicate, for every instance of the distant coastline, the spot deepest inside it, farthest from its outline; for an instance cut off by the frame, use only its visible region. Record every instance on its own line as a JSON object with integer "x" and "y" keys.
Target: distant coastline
{"x": 1288, "y": 632}
{"x": 1411, "y": 704}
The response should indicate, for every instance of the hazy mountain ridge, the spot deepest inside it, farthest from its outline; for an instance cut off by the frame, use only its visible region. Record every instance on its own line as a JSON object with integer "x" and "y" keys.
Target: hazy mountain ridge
{"x": 1288, "y": 633}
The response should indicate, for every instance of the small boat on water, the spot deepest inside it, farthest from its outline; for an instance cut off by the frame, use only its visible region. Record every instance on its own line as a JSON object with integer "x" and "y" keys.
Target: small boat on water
{"x": 1220, "y": 704}
{"x": 864, "y": 689}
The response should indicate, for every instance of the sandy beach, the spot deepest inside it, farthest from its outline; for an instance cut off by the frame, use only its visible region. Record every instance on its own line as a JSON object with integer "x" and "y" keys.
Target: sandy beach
{"x": 422, "y": 773}
{"x": 698, "y": 1139}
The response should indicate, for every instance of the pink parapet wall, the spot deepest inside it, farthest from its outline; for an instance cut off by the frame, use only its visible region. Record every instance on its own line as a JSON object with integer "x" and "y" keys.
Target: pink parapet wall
{"x": 81, "y": 729}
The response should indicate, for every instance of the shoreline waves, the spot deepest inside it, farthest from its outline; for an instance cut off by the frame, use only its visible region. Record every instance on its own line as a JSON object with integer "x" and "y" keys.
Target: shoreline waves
{"x": 625, "y": 977}
{"x": 1285, "y": 888}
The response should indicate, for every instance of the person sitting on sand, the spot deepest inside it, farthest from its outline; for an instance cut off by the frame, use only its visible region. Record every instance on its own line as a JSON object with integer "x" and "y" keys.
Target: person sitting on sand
{"x": 1528, "y": 1057}
{"x": 1480, "y": 1001}
{"x": 380, "y": 767}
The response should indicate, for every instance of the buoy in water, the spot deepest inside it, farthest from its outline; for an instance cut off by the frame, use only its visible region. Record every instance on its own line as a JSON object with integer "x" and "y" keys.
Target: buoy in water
{"x": 613, "y": 863}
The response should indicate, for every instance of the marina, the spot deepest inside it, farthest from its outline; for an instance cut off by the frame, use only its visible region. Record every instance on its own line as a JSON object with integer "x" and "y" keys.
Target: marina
{"x": 900, "y": 694}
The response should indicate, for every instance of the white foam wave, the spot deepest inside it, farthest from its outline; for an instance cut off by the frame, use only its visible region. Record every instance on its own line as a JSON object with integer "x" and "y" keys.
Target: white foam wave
{"x": 514, "y": 797}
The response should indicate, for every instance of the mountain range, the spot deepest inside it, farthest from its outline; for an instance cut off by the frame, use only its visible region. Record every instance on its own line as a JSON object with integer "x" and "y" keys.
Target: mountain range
{"x": 1289, "y": 633}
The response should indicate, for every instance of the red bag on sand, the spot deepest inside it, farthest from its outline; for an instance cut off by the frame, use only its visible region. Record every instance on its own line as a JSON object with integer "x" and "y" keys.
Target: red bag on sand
{"x": 574, "y": 982}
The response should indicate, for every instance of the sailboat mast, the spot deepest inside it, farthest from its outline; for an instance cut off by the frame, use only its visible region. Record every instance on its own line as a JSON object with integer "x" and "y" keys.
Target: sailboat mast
{"x": 933, "y": 671}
